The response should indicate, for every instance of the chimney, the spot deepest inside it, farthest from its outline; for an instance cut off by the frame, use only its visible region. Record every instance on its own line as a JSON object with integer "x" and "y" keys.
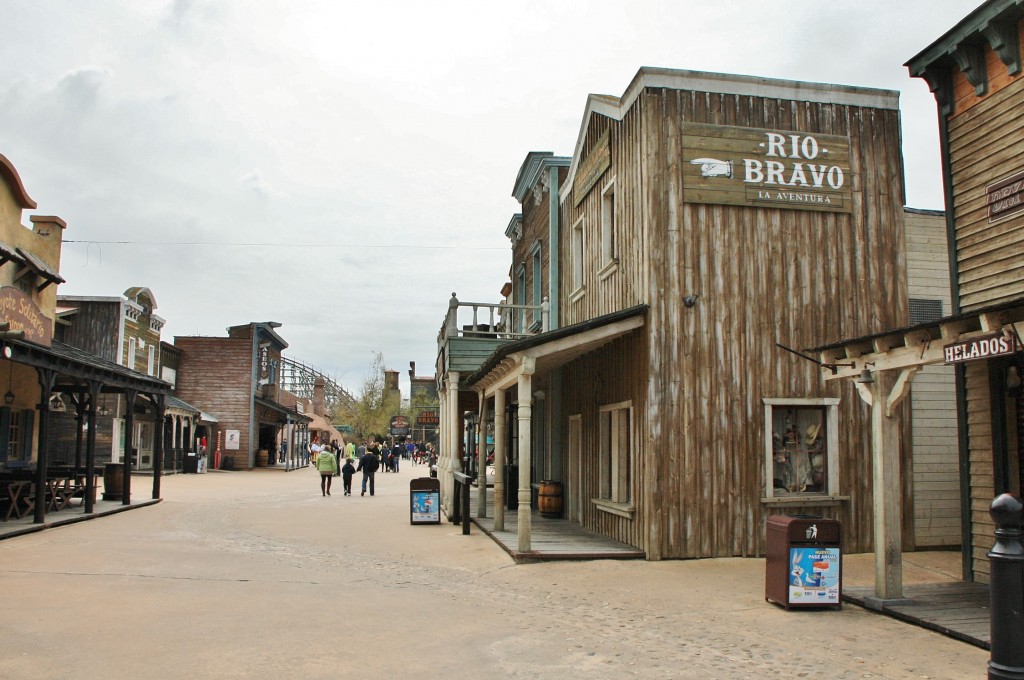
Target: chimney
{"x": 319, "y": 397}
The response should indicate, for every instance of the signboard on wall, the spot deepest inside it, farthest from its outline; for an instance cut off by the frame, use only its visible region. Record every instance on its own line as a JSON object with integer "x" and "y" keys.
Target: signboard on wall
{"x": 399, "y": 426}
{"x": 232, "y": 438}
{"x": 981, "y": 347}
{"x": 23, "y": 314}
{"x": 768, "y": 168}
{"x": 591, "y": 168}
{"x": 1005, "y": 197}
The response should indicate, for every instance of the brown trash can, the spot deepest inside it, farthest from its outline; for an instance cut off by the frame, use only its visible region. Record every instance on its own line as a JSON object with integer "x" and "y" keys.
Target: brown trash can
{"x": 549, "y": 499}
{"x": 113, "y": 481}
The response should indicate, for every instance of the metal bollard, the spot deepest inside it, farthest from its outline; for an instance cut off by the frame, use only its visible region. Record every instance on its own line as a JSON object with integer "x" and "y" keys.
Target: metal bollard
{"x": 1006, "y": 590}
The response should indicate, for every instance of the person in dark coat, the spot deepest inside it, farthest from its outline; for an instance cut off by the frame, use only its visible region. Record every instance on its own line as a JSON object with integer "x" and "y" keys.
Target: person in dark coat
{"x": 368, "y": 465}
{"x": 347, "y": 470}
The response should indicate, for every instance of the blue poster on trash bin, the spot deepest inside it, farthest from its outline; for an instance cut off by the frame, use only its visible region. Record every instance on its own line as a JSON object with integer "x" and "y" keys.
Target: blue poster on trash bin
{"x": 426, "y": 507}
{"x": 814, "y": 575}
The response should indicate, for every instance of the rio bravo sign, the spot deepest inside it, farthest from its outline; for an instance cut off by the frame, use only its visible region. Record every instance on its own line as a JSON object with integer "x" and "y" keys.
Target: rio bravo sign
{"x": 771, "y": 168}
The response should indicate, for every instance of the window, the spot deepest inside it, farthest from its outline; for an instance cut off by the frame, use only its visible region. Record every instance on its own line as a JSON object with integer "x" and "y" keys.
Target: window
{"x": 16, "y": 434}
{"x": 151, "y": 360}
{"x": 608, "y": 224}
{"x": 537, "y": 284}
{"x": 801, "y": 456}
{"x": 577, "y": 256}
{"x": 130, "y": 359}
{"x": 520, "y": 298}
{"x": 615, "y": 453}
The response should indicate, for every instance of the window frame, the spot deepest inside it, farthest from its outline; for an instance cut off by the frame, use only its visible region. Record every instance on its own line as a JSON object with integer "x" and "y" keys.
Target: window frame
{"x": 521, "y": 294}
{"x": 615, "y": 450}
{"x": 609, "y": 254}
{"x": 536, "y": 263}
{"x": 830, "y": 442}
{"x": 577, "y": 247}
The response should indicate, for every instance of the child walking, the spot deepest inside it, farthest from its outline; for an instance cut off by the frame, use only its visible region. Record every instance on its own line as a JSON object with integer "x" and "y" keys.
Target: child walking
{"x": 346, "y": 475}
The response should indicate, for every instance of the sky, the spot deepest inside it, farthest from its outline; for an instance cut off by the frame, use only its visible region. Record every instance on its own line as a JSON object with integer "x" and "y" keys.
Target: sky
{"x": 342, "y": 168}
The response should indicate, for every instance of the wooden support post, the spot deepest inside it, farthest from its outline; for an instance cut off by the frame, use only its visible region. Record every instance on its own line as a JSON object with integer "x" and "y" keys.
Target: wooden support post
{"x": 499, "y": 460}
{"x": 883, "y": 396}
{"x": 481, "y": 460}
{"x": 525, "y": 388}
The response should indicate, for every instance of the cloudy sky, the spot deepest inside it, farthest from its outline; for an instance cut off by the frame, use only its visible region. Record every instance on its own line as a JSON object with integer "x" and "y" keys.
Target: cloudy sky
{"x": 343, "y": 167}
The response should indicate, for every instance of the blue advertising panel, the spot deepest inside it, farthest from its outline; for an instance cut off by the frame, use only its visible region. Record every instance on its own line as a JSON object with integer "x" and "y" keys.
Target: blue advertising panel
{"x": 426, "y": 507}
{"x": 814, "y": 575}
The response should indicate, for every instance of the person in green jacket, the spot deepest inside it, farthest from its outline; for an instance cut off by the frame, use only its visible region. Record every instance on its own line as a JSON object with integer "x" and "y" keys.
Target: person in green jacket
{"x": 327, "y": 465}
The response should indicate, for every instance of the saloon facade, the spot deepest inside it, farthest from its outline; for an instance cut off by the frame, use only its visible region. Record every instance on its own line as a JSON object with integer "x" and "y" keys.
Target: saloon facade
{"x": 706, "y": 225}
{"x": 46, "y": 376}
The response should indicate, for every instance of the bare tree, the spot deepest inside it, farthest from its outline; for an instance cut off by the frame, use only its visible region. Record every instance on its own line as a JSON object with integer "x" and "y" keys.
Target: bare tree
{"x": 373, "y": 407}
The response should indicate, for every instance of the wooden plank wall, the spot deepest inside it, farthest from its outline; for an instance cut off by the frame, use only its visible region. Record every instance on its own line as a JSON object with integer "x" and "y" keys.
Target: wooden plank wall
{"x": 612, "y": 374}
{"x": 763, "y": 275}
{"x": 990, "y": 256}
{"x": 979, "y": 429}
{"x": 936, "y": 462}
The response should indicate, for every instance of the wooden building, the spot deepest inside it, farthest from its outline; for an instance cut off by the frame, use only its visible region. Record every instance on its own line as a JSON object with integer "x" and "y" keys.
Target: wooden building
{"x": 124, "y": 330}
{"x": 707, "y": 228}
{"x": 236, "y": 379}
{"x": 46, "y": 377}
{"x": 974, "y": 71}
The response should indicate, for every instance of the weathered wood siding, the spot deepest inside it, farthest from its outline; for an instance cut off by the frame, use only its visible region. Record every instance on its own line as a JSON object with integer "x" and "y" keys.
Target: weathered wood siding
{"x": 95, "y": 328}
{"x": 986, "y": 144}
{"x": 610, "y": 375}
{"x": 936, "y": 464}
{"x": 623, "y": 286}
{"x": 990, "y": 255}
{"x": 762, "y": 275}
{"x": 979, "y": 431}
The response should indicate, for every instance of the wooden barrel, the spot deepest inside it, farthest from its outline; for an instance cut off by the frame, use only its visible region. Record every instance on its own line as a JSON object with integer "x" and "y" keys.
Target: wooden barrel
{"x": 549, "y": 499}
{"x": 113, "y": 481}
{"x": 262, "y": 458}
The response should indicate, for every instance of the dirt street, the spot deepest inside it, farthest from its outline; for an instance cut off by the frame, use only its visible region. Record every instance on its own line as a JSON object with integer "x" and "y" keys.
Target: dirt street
{"x": 256, "y": 575}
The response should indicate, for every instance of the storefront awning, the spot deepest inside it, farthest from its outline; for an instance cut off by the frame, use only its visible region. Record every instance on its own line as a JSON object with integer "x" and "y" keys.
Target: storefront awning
{"x": 548, "y": 351}
{"x": 915, "y": 346}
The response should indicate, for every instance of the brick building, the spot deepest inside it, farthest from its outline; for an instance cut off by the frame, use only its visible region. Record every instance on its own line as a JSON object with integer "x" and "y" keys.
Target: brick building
{"x": 236, "y": 379}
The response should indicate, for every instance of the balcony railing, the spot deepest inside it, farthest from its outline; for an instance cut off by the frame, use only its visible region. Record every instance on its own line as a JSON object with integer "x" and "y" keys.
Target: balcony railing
{"x": 499, "y": 321}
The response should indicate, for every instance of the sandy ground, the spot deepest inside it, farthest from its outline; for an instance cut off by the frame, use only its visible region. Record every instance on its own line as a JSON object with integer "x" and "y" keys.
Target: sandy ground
{"x": 256, "y": 575}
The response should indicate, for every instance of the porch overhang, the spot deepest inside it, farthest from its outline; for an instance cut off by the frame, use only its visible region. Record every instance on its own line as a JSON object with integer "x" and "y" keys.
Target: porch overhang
{"x": 545, "y": 352}
{"x": 895, "y": 357}
{"x": 915, "y": 346}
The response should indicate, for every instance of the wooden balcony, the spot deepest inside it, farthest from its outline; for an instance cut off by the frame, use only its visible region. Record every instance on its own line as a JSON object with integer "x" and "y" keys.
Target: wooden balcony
{"x": 473, "y": 330}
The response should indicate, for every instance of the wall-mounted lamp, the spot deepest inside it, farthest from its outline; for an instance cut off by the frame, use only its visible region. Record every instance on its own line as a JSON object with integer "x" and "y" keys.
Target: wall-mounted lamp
{"x": 866, "y": 377}
{"x": 689, "y": 301}
{"x": 57, "y": 404}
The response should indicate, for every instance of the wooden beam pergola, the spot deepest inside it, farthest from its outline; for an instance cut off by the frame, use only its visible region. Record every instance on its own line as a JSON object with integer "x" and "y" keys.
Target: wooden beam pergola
{"x": 882, "y": 367}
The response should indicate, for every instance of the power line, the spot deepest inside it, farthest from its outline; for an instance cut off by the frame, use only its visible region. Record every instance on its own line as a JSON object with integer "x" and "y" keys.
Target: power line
{"x": 285, "y": 245}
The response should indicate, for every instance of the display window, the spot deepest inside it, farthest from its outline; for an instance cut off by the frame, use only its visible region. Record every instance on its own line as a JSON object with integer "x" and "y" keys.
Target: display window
{"x": 800, "y": 440}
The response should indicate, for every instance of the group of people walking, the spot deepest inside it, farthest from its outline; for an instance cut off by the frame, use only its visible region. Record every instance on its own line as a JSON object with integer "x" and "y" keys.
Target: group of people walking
{"x": 371, "y": 456}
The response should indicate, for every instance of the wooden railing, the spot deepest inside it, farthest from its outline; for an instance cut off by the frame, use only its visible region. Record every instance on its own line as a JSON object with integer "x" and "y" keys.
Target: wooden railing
{"x": 499, "y": 321}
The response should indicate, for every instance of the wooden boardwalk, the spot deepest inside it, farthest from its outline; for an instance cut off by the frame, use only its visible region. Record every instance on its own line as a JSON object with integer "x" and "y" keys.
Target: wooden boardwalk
{"x": 551, "y": 539}
{"x": 959, "y": 609}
